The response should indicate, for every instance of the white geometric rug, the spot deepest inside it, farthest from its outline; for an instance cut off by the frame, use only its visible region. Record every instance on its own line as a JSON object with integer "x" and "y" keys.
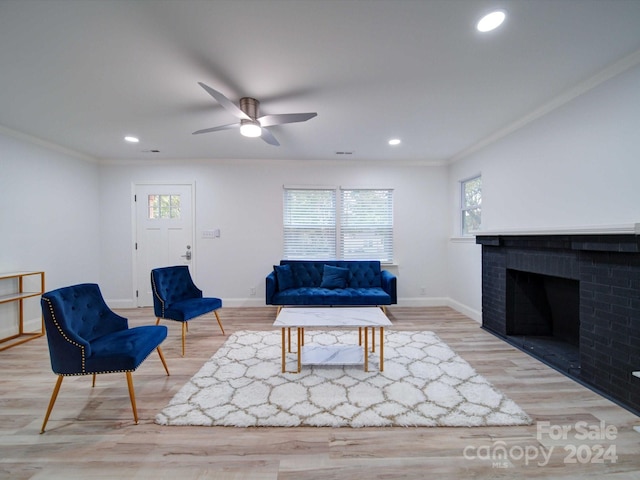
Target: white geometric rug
{"x": 424, "y": 383}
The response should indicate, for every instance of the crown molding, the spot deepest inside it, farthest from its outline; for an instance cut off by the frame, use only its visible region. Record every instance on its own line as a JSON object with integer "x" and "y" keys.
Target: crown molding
{"x": 581, "y": 88}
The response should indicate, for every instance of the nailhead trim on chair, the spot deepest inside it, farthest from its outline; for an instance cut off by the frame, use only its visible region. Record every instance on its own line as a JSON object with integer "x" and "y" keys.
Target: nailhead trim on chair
{"x": 155, "y": 292}
{"x": 64, "y": 335}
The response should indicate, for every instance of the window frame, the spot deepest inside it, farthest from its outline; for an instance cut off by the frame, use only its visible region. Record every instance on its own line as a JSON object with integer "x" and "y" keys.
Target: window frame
{"x": 465, "y": 207}
{"x": 384, "y": 238}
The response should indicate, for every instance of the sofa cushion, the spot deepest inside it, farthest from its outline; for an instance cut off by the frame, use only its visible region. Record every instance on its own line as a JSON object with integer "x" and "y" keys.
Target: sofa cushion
{"x": 124, "y": 350}
{"x": 310, "y": 296}
{"x": 334, "y": 277}
{"x": 284, "y": 275}
{"x": 191, "y": 308}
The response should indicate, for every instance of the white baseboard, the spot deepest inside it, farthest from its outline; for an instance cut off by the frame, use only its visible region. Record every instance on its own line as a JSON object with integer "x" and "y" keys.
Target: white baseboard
{"x": 244, "y": 302}
{"x": 465, "y": 310}
{"x": 441, "y": 302}
{"x": 402, "y": 302}
{"x": 226, "y": 302}
{"x": 121, "y": 303}
{"x": 423, "y": 302}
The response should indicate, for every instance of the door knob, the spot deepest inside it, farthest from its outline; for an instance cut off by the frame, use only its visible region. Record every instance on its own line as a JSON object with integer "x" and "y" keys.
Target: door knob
{"x": 188, "y": 254}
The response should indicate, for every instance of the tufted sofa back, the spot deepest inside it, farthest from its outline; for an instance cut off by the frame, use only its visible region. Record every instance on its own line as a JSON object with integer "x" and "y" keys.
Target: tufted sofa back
{"x": 171, "y": 285}
{"x": 362, "y": 273}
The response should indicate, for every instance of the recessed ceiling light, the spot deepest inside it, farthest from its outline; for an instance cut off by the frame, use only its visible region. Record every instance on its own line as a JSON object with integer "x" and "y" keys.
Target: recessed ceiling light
{"x": 491, "y": 21}
{"x": 132, "y": 139}
{"x": 394, "y": 141}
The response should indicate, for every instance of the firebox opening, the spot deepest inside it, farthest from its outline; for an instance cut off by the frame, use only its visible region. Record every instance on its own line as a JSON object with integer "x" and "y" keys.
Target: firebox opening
{"x": 543, "y": 317}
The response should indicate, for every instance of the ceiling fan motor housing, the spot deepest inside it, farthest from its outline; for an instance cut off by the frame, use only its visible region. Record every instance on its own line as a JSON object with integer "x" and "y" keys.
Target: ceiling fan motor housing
{"x": 250, "y": 106}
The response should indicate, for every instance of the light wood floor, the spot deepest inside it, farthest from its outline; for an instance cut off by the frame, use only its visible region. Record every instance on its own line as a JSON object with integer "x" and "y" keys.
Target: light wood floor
{"x": 91, "y": 433}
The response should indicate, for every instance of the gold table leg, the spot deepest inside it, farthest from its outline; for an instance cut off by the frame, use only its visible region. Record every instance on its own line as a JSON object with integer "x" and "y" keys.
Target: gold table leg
{"x": 382, "y": 349}
{"x": 373, "y": 339}
{"x": 284, "y": 353}
{"x": 286, "y": 345}
{"x": 366, "y": 349}
{"x": 300, "y": 343}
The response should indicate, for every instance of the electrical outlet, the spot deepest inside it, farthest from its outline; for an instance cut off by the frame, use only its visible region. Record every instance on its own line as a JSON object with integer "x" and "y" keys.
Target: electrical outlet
{"x": 252, "y": 291}
{"x": 423, "y": 291}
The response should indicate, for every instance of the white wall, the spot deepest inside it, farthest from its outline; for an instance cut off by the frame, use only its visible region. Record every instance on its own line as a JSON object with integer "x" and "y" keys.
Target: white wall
{"x": 578, "y": 166}
{"x": 244, "y": 200}
{"x": 48, "y": 219}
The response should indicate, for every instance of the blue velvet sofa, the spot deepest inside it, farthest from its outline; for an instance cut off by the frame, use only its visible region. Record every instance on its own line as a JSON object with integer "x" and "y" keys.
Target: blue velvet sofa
{"x": 330, "y": 283}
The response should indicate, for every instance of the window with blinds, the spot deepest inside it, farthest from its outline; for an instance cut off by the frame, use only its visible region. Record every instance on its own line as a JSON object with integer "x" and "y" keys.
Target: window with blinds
{"x": 366, "y": 225}
{"x": 309, "y": 224}
{"x": 356, "y": 226}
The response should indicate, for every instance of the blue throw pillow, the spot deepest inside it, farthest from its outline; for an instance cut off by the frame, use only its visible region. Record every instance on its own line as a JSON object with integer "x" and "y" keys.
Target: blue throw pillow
{"x": 334, "y": 277}
{"x": 284, "y": 275}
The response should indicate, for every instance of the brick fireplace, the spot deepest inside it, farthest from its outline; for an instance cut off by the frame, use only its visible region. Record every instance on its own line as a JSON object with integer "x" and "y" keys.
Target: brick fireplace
{"x": 570, "y": 300}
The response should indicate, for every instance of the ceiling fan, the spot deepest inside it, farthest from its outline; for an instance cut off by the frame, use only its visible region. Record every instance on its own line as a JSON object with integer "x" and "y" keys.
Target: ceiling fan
{"x": 250, "y": 124}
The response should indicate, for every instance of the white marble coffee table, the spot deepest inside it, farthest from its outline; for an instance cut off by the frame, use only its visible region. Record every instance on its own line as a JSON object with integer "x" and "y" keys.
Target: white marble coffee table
{"x": 332, "y": 317}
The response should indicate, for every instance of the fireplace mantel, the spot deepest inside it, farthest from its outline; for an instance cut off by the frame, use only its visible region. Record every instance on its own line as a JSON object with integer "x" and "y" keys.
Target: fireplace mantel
{"x": 597, "y": 242}
{"x": 618, "y": 229}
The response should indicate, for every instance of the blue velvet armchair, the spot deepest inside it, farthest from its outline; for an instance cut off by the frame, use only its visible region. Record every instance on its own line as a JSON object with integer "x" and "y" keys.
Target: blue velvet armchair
{"x": 175, "y": 297}
{"x": 87, "y": 338}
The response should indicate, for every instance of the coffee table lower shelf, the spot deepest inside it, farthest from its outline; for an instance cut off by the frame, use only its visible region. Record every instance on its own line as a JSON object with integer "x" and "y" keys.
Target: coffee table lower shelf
{"x": 332, "y": 354}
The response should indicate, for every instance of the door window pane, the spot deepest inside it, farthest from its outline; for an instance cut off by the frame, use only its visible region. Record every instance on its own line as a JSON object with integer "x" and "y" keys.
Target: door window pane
{"x": 164, "y": 206}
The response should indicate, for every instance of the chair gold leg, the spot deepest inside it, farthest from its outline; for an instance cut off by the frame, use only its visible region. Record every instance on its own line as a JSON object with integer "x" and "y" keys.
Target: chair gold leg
{"x": 157, "y": 320}
{"x": 184, "y": 333}
{"x": 132, "y": 396}
{"x": 54, "y": 395}
{"x": 162, "y": 360}
{"x": 93, "y": 383}
{"x": 219, "y": 322}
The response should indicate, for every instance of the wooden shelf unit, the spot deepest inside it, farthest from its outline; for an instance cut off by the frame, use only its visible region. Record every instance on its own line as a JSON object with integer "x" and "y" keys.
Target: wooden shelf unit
{"x": 20, "y": 296}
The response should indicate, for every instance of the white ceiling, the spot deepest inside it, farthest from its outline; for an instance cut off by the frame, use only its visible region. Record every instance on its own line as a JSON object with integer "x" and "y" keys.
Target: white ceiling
{"x": 82, "y": 74}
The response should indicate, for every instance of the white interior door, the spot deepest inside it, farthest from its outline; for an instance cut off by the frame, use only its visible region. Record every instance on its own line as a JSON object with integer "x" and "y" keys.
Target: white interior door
{"x": 164, "y": 232}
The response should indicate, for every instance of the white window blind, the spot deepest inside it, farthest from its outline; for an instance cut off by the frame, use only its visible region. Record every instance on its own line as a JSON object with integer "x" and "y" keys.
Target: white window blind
{"x": 366, "y": 224}
{"x": 309, "y": 224}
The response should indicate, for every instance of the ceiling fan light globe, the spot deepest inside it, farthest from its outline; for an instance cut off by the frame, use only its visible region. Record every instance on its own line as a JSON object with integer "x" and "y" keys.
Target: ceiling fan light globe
{"x": 250, "y": 129}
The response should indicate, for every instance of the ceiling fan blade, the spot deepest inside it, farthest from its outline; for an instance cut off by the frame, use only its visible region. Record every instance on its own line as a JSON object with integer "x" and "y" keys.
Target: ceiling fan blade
{"x": 282, "y": 118}
{"x": 215, "y": 129}
{"x": 268, "y": 137}
{"x": 225, "y": 102}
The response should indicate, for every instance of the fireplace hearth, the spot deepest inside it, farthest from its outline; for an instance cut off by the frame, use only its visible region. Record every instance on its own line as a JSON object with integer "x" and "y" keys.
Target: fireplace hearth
{"x": 572, "y": 301}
